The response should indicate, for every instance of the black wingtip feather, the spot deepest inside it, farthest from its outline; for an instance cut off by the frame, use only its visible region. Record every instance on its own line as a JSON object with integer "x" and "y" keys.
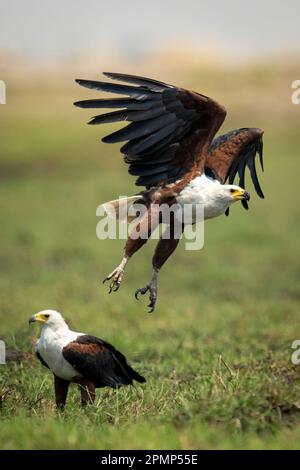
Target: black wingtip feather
{"x": 107, "y": 118}
{"x": 138, "y": 80}
{"x": 125, "y": 103}
{"x": 245, "y": 205}
{"x": 253, "y": 174}
{"x": 138, "y": 93}
{"x": 81, "y": 81}
{"x": 260, "y": 154}
{"x": 140, "y": 144}
{"x": 136, "y": 130}
{"x": 81, "y": 104}
{"x": 135, "y": 375}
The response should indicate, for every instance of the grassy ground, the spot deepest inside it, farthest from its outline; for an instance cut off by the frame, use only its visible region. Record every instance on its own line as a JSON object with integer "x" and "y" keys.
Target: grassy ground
{"x": 217, "y": 351}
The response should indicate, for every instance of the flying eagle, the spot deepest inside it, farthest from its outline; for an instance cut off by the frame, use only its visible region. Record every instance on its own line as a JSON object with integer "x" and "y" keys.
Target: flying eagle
{"x": 171, "y": 147}
{"x": 76, "y": 357}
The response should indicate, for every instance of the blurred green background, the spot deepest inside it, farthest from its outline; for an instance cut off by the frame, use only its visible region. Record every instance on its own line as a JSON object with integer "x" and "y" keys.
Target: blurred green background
{"x": 217, "y": 351}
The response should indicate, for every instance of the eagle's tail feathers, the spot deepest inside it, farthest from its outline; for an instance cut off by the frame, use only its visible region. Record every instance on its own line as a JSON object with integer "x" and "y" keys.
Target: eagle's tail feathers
{"x": 118, "y": 208}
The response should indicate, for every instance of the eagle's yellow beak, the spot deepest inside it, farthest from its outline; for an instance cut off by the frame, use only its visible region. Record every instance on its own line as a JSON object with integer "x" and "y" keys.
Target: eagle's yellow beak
{"x": 239, "y": 194}
{"x": 38, "y": 317}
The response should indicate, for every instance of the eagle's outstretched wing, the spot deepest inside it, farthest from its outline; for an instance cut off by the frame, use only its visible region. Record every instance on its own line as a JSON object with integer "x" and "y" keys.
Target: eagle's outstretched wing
{"x": 170, "y": 128}
{"x": 229, "y": 155}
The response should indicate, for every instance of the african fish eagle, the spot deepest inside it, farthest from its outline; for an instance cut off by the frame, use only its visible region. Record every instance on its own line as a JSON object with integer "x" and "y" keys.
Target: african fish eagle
{"x": 171, "y": 147}
{"x": 76, "y": 357}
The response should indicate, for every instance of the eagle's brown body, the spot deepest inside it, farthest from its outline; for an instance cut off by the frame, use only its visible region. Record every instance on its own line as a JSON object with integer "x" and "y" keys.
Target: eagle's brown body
{"x": 171, "y": 142}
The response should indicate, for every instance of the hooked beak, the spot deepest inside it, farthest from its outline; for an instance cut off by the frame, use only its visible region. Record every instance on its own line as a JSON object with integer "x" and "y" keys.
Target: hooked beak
{"x": 246, "y": 196}
{"x": 38, "y": 317}
{"x": 241, "y": 195}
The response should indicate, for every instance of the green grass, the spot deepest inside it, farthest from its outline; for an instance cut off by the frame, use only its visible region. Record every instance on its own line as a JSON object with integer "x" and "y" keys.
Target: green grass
{"x": 217, "y": 351}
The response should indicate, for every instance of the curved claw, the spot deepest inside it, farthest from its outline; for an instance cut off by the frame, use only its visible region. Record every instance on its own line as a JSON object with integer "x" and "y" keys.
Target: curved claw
{"x": 141, "y": 291}
{"x": 116, "y": 278}
{"x": 136, "y": 295}
{"x": 152, "y": 296}
{"x": 151, "y": 305}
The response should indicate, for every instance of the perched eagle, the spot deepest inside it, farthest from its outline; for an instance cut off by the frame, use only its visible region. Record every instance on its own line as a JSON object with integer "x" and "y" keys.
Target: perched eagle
{"x": 76, "y": 357}
{"x": 171, "y": 147}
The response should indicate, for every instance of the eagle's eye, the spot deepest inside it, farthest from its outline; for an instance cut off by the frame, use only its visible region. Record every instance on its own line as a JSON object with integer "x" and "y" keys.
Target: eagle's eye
{"x": 46, "y": 315}
{"x": 232, "y": 190}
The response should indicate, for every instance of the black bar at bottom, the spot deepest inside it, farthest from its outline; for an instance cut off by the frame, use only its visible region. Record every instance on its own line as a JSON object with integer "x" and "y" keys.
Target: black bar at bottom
{"x": 131, "y": 458}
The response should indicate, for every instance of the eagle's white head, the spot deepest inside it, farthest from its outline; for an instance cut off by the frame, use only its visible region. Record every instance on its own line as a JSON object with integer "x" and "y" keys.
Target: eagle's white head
{"x": 220, "y": 197}
{"x": 49, "y": 318}
{"x": 231, "y": 193}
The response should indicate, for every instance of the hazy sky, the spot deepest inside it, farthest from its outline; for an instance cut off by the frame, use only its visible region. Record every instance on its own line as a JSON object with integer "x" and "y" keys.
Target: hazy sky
{"x": 51, "y": 28}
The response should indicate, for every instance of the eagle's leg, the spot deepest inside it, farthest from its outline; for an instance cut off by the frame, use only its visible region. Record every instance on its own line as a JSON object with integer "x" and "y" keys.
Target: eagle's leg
{"x": 61, "y": 390}
{"x": 144, "y": 229}
{"x": 116, "y": 276}
{"x": 151, "y": 288}
{"x": 88, "y": 393}
{"x": 164, "y": 249}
